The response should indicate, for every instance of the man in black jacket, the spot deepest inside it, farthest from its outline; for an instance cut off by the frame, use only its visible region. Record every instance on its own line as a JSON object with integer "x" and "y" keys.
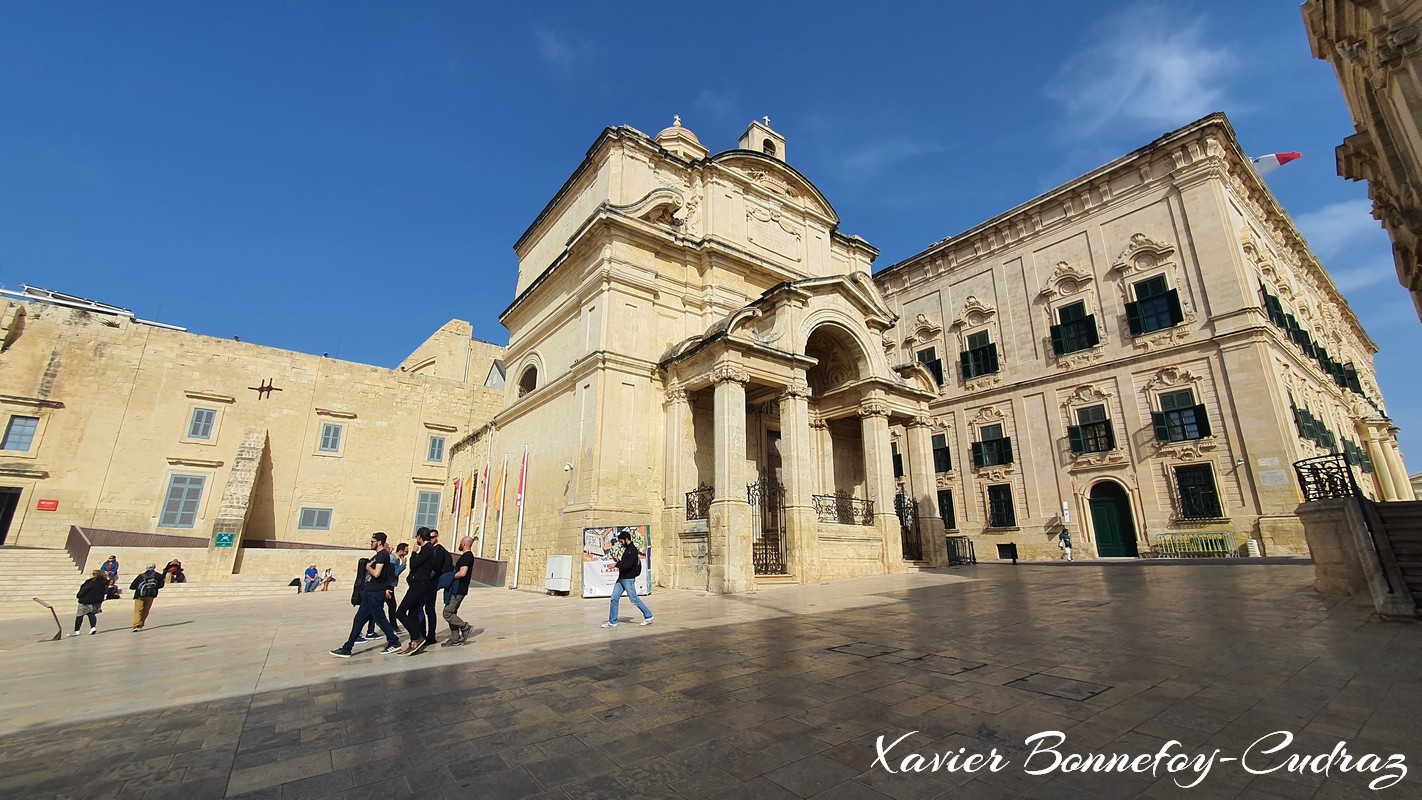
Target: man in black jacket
{"x": 629, "y": 566}
{"x": 426, "y": 565}
{"x": 145, "y": 590}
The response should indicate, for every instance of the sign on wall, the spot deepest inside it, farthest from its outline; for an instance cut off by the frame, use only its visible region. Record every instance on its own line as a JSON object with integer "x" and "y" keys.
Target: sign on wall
{"x": 226, "y": 539}
{"x": 601, "y": 551}
{"x": 47, "y": 505}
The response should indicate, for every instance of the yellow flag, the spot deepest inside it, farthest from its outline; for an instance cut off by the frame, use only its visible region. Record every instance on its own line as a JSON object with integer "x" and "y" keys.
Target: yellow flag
{"x": 499, "y": 492}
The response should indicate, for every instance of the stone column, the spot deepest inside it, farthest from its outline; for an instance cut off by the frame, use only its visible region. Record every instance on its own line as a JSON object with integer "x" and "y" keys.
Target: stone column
{"x": 924, "y": 489}
{"x": 879, "y": 479}
{"x": 728, "y": 559}
{"x": 679, "y": 479}
{"x": 1382, "y": 468}
{"x": 824, "y": 456}
{"x": 798, "y": 469}
{"x": 1402, "y": 481}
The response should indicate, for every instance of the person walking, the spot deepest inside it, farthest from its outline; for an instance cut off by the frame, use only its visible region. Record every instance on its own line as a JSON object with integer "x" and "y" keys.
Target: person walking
{"x": 1064, "y": 542}
{"x": 398, "y": 560}
{"x": 420, "y": 580}
{"x": 91, "y": 600}
{"x": 463, "y": 574}
{"x": 629, "y": 566}
{"x": 371, "y": 596}
{"x": 145, "y": 590}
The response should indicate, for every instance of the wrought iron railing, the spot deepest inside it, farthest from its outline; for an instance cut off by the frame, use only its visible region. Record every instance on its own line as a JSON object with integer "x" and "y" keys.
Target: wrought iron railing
{"x": 844, "y": 508}
{"x": 906, "y": 508}
{"x": 698, "y": 502}
{"x": 1328, "y": 477}
{"x": 1205, "y": 544}
{"x": 1325, "y": 477}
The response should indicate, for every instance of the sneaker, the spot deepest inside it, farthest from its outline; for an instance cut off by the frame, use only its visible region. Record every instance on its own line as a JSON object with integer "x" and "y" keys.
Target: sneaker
{"x": 93, "y": 631}
{"x": 453, "y": 641}
{"x": 410, "y": 648}
{"x": 390, "y": 648}
{"x": 136, "y": 630}
{"x": 421, "y": 647}
{"x": 647, "y": 621}
{"x": 608, "y": 625}
{"x": 72, "y": 635}
{"x": 363, "y": 639}
{"x": 341, "y": 652}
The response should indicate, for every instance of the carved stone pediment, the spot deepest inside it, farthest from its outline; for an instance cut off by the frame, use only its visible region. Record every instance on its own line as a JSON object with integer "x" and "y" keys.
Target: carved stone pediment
{"x": 975, "y": 313}
{"x": 1143, "y": 253}
{"x": 1080, "y": 358}
{"x": 985, "y": 382}
{"x": 1172, "y": 377}
{"x": 988, "y": 415}
{"x": 1088, "y": 394}
{"x": 773, "y": 182}
{"x": 944, "y": 480}
{"x": 1167, "y": 337}
{"x": 922, "y": 330}
{"x": 1065, "y": 280}
{"x": 1082, "y": 462}
{"x": 1192, "y": 450}
{"x": 999, "y": 473}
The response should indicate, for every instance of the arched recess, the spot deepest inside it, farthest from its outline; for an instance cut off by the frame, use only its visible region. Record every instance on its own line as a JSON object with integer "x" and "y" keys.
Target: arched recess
{"x": 842, "y": 358}
{"x": 530, "y": 376}
{"x": 1112, "y": 520}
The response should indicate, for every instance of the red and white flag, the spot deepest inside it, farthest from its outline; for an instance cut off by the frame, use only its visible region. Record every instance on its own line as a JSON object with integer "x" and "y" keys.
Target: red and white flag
{"x": 522, "y": 472}
{"x": 1267, "y": 164}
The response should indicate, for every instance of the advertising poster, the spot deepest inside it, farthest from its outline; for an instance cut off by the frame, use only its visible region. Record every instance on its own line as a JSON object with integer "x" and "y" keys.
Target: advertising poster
{"x": 601, "y": 551}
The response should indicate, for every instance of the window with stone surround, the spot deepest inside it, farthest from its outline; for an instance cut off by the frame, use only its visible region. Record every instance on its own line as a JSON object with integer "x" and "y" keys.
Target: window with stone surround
{"x": 180, "y": 504}
{"x": 314, "y": 519}
{"x": 1001, "y": 513}
{"x": 200, "y": 426}
{"x": 20, "y": 433}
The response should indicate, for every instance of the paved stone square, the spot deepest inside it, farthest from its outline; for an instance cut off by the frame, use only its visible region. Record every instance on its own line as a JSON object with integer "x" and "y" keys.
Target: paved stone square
{"x": 777, "y": 694}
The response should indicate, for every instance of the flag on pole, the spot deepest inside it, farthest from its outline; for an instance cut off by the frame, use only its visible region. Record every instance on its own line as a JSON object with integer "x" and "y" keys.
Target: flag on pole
{"x": 469, "y": 488}
{"x": 1267, "y": 164}
{"x": 456, "y": 501}
{"x": 499, "y": 490}
{"x": 522, "y": 471}
{"x": 486, "y": 486}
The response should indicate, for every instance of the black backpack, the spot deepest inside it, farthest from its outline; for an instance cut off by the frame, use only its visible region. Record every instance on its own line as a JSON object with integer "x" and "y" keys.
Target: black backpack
{"x": 147, "y": 586}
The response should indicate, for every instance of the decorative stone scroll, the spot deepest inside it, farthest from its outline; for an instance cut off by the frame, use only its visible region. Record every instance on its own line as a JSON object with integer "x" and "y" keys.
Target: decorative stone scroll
{"x": 975, "y": 313}
{"x": 873, "y": 408}
{"x": 923, "y": 330}
{"x": 1086, "y": 395}
{"x": 1172, "y": 377}
{"x": 1065, "y": 280}
{"x": 1143, "y": 253}
{"x": 728, "y": 372}
{"x": 988, "y": 415}
{"x": 796, "y": 388}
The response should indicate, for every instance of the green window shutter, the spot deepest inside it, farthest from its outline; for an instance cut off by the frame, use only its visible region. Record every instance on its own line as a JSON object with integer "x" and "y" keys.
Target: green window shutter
{"x": 1162, "y": 430}
{"x": 1110, "y": 435}
{"x": 1078, "y": 442}
{"x": 1172, "y": 301}
{"x": 977, "y": 454}
{"x": 1202, "y": 420}
{"x": 1093, "y": 336}
{"x": 965, "y": 364}
{"x": 992, "y": 359}
{"x": 1006, "y": 449}
{"x": 1058, "y": 344}
{"x": 1133, "y": 318}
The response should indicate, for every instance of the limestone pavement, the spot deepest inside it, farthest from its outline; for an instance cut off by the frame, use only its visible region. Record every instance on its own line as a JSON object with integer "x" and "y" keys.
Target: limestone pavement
{"x": 778, "y": 693}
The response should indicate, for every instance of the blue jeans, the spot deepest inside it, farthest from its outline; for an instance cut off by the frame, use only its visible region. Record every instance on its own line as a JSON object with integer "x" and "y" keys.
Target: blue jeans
{"x": 312, "y": 583}
{"x": 372, "y": 607}
{"x": 628, "y": 585}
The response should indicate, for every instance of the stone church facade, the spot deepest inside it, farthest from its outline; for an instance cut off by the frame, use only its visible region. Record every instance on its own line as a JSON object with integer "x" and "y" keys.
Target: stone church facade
{"x": 1141, "y": 353}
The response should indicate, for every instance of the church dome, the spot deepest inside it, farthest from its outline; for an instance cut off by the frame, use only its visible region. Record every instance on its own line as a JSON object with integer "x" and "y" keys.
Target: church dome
{"x": 681, "y": 141}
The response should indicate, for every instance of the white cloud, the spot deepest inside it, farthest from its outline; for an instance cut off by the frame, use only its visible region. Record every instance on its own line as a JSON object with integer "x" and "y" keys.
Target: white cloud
{"x": 1335, "y": 227}
{"x": 561, "y": 53}
{"x": 872, "y": 159}
{"x": 1148, "y": 67}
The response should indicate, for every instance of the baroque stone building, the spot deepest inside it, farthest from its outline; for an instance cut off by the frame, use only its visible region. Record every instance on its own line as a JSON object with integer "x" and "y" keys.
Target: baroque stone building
{"x": 695, "y": 345}
{"x": 1375, "y": 47}
{"x": 116, "y": 423}
{"x": 1139, "y": 354}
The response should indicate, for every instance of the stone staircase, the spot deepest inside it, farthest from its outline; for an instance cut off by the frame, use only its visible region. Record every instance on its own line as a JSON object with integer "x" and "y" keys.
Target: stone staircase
{"x": 27, "y": 573}
{"x": 1403, "y": 523}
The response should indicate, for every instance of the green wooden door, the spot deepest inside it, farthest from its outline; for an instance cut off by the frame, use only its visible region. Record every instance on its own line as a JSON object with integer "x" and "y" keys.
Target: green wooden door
{"x": 1106, "y": 521}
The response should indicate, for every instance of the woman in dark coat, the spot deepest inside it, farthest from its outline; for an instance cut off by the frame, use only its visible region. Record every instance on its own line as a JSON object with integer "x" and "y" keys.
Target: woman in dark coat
{"x": 91, "y": 599}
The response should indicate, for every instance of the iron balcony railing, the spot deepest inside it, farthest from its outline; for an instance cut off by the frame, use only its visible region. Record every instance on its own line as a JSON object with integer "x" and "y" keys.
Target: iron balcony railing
{"x": 844, "y": 508}
{"x": 1325, "y": 477}
{"x": 698, "y": 502}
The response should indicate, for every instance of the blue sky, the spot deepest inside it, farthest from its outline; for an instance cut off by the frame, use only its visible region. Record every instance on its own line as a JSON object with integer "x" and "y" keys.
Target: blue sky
{"x": 346, "y": 177}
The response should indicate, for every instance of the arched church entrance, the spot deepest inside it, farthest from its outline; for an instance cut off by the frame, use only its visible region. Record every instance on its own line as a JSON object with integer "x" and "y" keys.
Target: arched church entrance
{"x": 1112, "y": 522}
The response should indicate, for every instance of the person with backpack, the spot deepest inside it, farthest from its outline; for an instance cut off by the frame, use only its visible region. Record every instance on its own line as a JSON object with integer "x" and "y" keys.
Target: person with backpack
{"x": 370, "y": 596}
{"x": 91, "y": 599}
{"x": 629, "y": 566}
{"x": 145, "y": 590}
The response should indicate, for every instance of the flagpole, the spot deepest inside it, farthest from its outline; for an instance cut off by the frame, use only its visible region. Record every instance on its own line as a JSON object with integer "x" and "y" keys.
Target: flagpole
{"x": 518, "y": 540}
{"x": 458, "y": 500}
{"x": 499, "y": 541}
{"x": 469, "y": 490}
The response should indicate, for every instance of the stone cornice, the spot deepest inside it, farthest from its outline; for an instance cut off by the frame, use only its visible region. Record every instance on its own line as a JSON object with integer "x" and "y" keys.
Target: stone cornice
{"x": 34, "y": 402}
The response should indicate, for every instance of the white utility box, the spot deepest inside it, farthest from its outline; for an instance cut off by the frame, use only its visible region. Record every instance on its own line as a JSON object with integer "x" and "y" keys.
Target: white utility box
{"x": 559, "y": 577}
